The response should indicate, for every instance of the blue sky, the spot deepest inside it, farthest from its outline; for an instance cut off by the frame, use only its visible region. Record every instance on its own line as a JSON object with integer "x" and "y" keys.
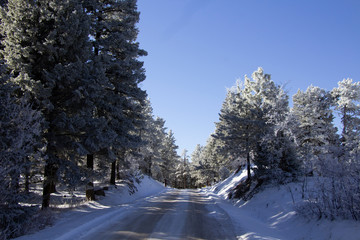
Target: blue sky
{"x": 198, "y": 48}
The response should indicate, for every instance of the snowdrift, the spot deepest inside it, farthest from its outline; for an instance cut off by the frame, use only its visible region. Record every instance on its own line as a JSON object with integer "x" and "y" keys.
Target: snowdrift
{"x": 272, "y": 213}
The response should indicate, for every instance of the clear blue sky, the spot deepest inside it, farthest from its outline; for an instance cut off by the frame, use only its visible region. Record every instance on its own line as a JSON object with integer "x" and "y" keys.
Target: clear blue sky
{"x": 198, "y": 48}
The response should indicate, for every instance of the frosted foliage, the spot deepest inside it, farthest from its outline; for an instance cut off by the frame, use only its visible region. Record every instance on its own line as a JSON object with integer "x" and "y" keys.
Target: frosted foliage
{"x": 20, "y": 128}
{"x": 252, "y": 116}
{"x": 158, "y": 155}
{"x": 348, "y": 93}
{"x": 347, "y": 104}
{"x": 316, "y": 135}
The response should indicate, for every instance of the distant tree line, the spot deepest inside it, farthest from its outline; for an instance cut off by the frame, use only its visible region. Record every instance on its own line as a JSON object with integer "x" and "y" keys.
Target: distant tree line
{"x": 257, "y": 130}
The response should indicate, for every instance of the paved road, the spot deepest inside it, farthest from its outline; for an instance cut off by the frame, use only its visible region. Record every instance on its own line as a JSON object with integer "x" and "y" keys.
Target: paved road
{"x": 176, "y": 214}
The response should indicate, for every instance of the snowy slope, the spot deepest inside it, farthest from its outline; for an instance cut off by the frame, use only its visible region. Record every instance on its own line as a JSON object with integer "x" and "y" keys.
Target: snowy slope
{"x": 271, "y": 214}
{"x": 92, "y": 216}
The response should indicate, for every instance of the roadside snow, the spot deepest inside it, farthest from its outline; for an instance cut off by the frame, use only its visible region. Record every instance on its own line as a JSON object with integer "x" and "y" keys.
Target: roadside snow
{"x": 271, "y": 214}
{"x": 92, "y": 216}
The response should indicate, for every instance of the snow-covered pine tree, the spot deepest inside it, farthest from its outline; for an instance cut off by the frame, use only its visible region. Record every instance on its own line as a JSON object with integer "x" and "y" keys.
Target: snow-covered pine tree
{"x": 113, "y": 35}
{"x": 252, "y": 115}
{"x": 47, "y": 51}
{"x": 275, "y": 154}
{"x": 20, "y": 131}
{"x": 234, "y": 139}
{"x": 152, "y": 135}
{"x": 169, "y": 157}
{"x": 347, "y": 104}
{"x": 196, "y": 166}
{"x": 156, "y": 144}
{"x": 212, "y": 160}
{"x": 316, "y": 135}
{"x": 241, "y": 123}
{"x": 182, "y": 171}
{"x": 339, "y": 178}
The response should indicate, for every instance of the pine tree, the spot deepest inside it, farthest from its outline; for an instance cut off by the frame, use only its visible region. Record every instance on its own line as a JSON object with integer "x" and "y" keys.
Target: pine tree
{"x": 212, "y": 160}
{"x": 234, "y": 127}
{"x": 169, "y": 157}
{"x": 252, "y": 116}
{"x": 196, "y": 165}
{"x": 347, "y": 104}
{"x": 116, "y": 52}
{"x": 20, "y": 152}
{"x": 47, "y": 51}
{"x": 275, "y": 157}
{"x": 19, "y": 141}
{"x": 316, "y": 135}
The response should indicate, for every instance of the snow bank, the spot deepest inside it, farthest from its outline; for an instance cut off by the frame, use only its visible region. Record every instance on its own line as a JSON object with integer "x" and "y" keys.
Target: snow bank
{"x": 223, "y": 188}
{"x": 92, "y": 216}
{"x": 271, "y": 214}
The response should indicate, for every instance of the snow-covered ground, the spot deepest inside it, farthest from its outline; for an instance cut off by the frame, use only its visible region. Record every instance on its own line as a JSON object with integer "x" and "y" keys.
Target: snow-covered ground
{"x": 271, "y": 214}
{"x": 76, "y": 222}
{"x": 157, "y": 212}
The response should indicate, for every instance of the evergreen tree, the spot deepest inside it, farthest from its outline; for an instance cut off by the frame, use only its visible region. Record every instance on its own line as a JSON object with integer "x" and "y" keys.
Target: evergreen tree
{"x": 236, "y": 128}
{"x": 211, "y": 161}
{"x": 19, "y": 142}
{"x": 169, "y": 157}
{"x": 251, "y": 116}
{"x": 116, "y": 52}
{"x": 20, "y": 153}
{"x": 47, "y": 50}
{"x": 316, "y": 135}
{"x": 275, "y": 157}
{"x": 347, "y": 104}
{"x": 197, "y": 165}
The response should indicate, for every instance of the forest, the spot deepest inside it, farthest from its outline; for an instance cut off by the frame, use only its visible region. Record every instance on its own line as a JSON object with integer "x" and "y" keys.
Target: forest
{"x": 73, "y": 114}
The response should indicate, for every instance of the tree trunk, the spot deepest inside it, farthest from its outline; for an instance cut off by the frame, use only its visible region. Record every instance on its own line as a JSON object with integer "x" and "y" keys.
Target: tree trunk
{"x": 238, "y": 169}
{"x": 344, "y": 131}
{"x": 112, "y": 174}
{"x": 149, "y": 165}
{"x": 27, "y": 181}
{"x": 49, "y": 184}
{"x": 90, "y": 193}
{"x": 118, "y": 170}
{"x": 248, "y": 166}
{"x": 248, "y": 155}
{"x": 90, "y": 161}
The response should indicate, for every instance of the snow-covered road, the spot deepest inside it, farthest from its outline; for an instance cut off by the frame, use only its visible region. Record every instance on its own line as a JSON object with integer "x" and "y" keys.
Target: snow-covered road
{"x": 175, "y": 214}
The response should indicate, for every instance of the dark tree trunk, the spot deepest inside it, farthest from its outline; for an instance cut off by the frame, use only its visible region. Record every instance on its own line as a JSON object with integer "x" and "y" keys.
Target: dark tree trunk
{"x": 118, "y": 170}
{"x": 49, "y": 184}
{"x": 149, "y": 166}
{"x": 52, "y": 187}
{"x": 112, "y": 174}
{"x": 27, "y": 181}
{"x": 248, "y": 155}
{"x": 90, "y": 193}
{"x": 248, "y": 166}
{"x": 238, "y": 169}
{"x": 90, "y": 161}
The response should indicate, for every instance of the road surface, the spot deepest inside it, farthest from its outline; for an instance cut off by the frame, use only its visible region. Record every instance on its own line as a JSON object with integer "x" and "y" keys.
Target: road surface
{"x": 175, "y": 214}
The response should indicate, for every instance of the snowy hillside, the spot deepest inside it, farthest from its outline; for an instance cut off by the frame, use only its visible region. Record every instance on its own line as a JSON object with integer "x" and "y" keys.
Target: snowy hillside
{"x": 96, "y": 214}
{"x": 271, "y": 214}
